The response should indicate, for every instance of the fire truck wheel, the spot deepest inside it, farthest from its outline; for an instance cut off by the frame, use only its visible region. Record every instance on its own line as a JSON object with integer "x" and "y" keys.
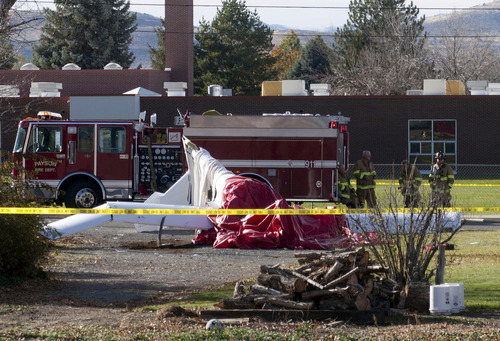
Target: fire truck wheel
{"x": 82, "y": 194}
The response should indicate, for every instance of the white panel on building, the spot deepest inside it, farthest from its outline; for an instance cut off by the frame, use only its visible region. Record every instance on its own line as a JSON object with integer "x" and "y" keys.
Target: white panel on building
{"x": 104, "y": 107}
{"x": 293, "y": 87}
{"x": 45, "y": 89}
{"x": 434, "y": 87}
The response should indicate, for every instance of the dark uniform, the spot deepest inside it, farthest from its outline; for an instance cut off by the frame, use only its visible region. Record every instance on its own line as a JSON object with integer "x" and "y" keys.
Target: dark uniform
{"x": 410, "y": 180}
{"x": 441, "y": 180}
{"x": 364, "y": 172}
{"x": 347, "y": 192}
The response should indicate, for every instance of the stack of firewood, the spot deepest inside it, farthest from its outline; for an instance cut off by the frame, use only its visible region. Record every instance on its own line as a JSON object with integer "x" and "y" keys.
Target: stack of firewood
{"x": 332, "y": 280}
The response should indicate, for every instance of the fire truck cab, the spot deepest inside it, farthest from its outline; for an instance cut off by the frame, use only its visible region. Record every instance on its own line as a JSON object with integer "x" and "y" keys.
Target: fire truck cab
{"x": 83, "y": 163}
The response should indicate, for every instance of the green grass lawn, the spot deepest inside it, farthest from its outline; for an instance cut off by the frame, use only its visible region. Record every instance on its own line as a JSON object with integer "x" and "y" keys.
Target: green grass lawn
{"x": 475, "y": 262}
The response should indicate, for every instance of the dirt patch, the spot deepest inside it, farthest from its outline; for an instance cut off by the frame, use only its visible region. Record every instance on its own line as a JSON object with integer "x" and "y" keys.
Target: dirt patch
{"x": 102, "y": 274}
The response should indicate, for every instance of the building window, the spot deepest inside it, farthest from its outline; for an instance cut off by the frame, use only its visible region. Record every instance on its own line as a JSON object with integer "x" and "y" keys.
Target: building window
{"x": 427, "y": 137}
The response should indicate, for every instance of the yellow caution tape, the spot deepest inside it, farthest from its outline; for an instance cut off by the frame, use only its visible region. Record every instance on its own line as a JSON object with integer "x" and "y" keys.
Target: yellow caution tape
{"x": 323, "y": 211}
{"x": 454, "y": 185}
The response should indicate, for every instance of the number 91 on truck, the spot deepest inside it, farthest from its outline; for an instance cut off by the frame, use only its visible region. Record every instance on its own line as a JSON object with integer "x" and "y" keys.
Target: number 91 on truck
{"x": 82, "y": 163}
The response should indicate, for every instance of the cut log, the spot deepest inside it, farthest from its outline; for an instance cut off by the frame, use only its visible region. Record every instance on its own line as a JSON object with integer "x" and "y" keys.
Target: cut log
{"x": 285, "y": 303}
{"x": 341, "y": 279}
{"x": 235, "y": 303}
{"x": 319, "y": 293}
{"x": 417, "y": 296}
{"x": 282, "y": 283}
{"x": 305, "y": 278}
{"x": 272, "y": 270}
{"x": 333, "y": 271}
{"x": 362, "y": 299}
{"x": 257, "y": 289}
{"x": 239, "y": 289}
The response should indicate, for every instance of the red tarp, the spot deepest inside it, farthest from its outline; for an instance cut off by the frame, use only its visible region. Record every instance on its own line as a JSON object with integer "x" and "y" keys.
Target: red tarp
{"x": 271, "y": 231}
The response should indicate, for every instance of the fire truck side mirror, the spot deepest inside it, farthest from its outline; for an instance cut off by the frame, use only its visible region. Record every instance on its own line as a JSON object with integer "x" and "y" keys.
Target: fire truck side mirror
{"x": 153, "y": 119}
{"x": 142, "y": 116}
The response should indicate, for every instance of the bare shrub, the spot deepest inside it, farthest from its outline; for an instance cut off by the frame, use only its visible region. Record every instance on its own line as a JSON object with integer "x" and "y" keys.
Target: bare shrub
{"x": 405, "y": 240}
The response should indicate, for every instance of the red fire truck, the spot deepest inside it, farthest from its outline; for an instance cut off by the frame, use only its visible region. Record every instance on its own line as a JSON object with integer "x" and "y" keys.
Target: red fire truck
{"x": 82, "y": 163}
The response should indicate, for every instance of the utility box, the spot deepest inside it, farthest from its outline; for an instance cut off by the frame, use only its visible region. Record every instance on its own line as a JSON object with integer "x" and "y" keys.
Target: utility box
{"x": 455, "y": 87}
{"x": 293, "y": 87}
{"x": 271, "y": 88}
{"x": 434, "y": 87}
{"x": 99, "y": 108}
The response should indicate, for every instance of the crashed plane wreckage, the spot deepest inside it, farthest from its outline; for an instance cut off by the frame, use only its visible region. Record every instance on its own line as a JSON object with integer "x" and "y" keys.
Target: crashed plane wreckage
{"x": 209, "y": 185}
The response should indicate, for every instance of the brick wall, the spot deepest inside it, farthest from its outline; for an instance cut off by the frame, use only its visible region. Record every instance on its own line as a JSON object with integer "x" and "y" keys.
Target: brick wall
{"x": 379, "y": 124}
{"x": 88, "y": 82}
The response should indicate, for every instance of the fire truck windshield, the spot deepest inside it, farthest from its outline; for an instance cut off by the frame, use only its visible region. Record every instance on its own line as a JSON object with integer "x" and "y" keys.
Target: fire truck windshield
{"x": 21, "y": 136}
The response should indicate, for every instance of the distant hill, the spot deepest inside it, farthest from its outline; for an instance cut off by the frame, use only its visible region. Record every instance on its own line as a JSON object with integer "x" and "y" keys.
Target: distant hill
{"x": 144, "y": 35}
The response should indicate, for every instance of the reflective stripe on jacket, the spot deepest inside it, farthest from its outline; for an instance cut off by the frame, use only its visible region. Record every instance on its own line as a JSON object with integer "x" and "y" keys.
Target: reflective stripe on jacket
{"x": 364, "y": 174}
{"x": 441, "y": 178}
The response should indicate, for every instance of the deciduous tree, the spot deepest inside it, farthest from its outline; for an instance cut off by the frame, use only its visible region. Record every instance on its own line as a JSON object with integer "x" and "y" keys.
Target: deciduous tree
{"x": 381, "y": 49}
{"x": 286, "y": 54}
{"x": 465, "y": 51}
{"x": 89, "y": 33}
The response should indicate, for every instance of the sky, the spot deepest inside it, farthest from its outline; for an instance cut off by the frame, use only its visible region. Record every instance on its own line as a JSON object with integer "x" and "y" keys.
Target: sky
{"x": 298, "y": 14}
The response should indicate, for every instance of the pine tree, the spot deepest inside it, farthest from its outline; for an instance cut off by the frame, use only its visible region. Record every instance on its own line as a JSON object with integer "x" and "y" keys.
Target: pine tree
{"x": 157, "y": 55}
{"x": 90, "y": 33}
{"x": 286, "y": 54}
{"x": 233, "y": 51}
{"x": 314, "y": 62}
{"x": 7, "y": 54}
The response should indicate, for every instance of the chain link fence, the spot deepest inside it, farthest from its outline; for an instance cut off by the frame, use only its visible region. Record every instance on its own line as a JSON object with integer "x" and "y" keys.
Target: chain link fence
{"x": 476, "y": 186}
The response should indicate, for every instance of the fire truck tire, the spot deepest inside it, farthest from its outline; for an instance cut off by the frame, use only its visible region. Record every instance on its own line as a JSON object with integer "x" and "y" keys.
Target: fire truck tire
{"x": 82, "y": 194}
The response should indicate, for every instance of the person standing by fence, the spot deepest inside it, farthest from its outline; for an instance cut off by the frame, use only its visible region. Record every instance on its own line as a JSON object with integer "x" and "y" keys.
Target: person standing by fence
{"x": 410, "y": 180}
{"x": 364, "y": 172}
{"x": 441, "y": 180}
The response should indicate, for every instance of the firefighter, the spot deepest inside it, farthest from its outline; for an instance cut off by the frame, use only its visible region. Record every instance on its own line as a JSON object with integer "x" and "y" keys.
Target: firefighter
{"x": 347, "y": 192}
{"x": 410, "y": 180}
{"x": 441, "y": 179}
{"x": 364, "y": 172}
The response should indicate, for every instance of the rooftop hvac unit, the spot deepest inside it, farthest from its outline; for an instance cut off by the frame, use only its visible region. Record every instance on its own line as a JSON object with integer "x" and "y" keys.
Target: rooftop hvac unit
{"x": 271, "y": 88}
{"x": 175, "y": 89}
{"x": 215, "y": 90}
{"x": 493, "y": 89}
{"x": 477, "y": 87}
{"x": 227, "y": 92}
{"x": 45, "y": 89}
{"x": 434, "y": 87}
{"x": 293, "y": 88}
{"x": 455, "y": 87}
{"x": 414, "y": 92}
{"x": 320, "y": 89}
